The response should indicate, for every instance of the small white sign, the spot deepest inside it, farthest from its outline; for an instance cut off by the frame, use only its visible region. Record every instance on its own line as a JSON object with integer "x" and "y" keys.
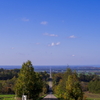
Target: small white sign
{"x": 24, "y": 97}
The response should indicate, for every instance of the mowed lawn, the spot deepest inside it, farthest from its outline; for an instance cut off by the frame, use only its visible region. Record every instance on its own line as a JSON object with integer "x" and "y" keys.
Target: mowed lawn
{"x": 7, "y": 97}
{"x": 92, "y": 96}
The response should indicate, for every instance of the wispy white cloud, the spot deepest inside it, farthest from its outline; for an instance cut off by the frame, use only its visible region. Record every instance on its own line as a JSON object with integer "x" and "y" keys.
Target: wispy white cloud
{"x": 50, "y": 34}
{"x": 54, "y": 44}
{"x": 37, "y": 43}
{"x": 12, "y": 48}
{"x": 25, "y": 19}
{"x": 72, "y": 36}
{"x": 46, "y": 34}
{"x": 53, "y": 35}
{"x": 73, "y": 55}
{"x": 44, "y": 22}
{"x": 58, "y": 43}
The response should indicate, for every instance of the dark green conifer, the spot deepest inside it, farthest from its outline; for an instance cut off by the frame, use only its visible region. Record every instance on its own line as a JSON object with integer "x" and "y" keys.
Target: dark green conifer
{"x": 28, "y": 82}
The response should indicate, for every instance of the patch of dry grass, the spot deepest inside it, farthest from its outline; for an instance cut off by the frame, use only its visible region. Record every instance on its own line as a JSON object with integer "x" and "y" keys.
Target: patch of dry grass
{"x": 92, "y": 95}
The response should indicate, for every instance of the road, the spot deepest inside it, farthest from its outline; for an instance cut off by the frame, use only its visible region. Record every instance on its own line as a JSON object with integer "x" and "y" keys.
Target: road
{"x": 50, "y": 96}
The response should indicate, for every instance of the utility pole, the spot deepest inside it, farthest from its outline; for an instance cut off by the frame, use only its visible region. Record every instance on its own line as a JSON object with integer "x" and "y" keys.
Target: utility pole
{"x": 50, "y": 72}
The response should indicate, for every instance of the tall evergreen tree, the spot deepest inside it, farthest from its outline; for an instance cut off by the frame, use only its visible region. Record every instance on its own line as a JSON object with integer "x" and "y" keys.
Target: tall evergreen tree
{"x": 28, "y": 82}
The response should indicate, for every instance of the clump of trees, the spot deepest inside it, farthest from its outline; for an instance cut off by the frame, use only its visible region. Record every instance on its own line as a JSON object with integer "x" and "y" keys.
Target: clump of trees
{"x": 68, "y": 86}
{"x": 7, "y": 80}
{"x": 86, "y": 77}
{"x": 7, "y": 86}
{"x": 94, "y": 85}
{"x": 44, "y": 75}
{"x": 8, "y": 74}
{"x": 90, "y": 82}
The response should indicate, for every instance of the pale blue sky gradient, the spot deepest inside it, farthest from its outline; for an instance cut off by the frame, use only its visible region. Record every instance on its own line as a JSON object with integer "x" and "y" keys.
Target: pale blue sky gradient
{"x": 50, "y": 32}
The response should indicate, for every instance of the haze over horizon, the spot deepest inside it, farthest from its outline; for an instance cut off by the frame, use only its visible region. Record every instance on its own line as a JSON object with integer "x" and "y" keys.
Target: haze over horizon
{"x": 50, "y": 32}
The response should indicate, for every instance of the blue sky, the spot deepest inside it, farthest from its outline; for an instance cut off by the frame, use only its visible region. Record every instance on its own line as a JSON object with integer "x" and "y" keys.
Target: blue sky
{"x": 50, "y": 32}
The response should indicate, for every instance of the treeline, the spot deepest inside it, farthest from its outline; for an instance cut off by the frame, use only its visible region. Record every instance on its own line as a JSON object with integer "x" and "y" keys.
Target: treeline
{"x": 25, "y": 81}
{"x": 8, "y": 74}
{"x": 87, "y": 77}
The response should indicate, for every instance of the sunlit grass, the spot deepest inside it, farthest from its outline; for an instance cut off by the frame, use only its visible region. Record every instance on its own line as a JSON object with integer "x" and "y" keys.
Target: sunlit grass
{"x": 7, "y": 97}
{"x": 93, "y": 98}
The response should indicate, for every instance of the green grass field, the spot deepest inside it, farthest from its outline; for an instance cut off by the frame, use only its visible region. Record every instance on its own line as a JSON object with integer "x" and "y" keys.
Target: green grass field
{"x": 7, "y": 97}
{"x": 11, "y": 97}
{"x": 93, "y": 99}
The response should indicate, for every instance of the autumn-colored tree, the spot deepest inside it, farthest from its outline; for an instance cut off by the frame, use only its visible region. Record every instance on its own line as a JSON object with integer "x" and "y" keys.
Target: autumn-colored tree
{"x": 60, "y": 85}
{"x": 73, "y": 88}
{"x": 59, "y": 89}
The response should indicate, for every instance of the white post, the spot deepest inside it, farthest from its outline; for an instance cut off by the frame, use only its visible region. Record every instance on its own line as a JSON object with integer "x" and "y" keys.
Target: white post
{"x": 24, "y": 97}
